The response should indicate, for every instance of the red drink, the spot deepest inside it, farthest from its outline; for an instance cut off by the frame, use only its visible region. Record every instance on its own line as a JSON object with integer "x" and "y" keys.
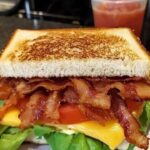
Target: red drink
{"x": 119, "y": 13}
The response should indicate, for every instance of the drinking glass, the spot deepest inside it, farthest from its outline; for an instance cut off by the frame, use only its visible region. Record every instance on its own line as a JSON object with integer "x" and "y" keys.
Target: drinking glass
{"x": 119, "y": 13}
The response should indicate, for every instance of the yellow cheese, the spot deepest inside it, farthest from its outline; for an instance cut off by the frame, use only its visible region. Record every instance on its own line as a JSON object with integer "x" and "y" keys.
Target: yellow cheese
{"x": 11, "y": 118}
{"x": 111, "y": 134}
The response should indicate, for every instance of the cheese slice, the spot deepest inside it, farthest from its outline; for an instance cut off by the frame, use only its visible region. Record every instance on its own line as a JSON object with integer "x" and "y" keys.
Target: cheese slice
{"x": 111, "y": 134}
{"x": 11, "y": 118}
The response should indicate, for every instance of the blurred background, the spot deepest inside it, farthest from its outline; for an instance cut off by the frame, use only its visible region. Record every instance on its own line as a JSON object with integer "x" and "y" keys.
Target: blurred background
{"x": 67, "y": 11}
{"x": 39, "y": 14}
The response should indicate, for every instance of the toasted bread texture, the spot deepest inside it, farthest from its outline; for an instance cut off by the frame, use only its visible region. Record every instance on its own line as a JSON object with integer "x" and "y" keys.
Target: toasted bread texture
{"x": 74, "y": 52}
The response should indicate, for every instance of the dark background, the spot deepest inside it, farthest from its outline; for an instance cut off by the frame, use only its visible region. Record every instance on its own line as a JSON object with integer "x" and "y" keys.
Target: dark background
{"x": 80, "y": 9}
{"x": 71, "y": 11}
{"x": 57, "y": 14}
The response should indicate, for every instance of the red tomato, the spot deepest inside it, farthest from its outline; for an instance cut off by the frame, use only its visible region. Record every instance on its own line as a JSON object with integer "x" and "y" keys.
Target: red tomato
{"x": 70, "y": 114}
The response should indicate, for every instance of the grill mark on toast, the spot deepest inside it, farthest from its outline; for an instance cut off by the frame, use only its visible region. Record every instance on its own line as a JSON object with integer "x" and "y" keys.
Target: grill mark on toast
{"x": 73, "y": 45}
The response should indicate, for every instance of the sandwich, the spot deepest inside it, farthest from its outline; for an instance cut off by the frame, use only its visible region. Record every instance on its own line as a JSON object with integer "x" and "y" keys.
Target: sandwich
{"x": 75, "y": 89}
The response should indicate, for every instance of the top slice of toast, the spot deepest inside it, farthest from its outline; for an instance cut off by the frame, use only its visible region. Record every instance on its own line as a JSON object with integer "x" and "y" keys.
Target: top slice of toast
{"x": 74, "y": 52}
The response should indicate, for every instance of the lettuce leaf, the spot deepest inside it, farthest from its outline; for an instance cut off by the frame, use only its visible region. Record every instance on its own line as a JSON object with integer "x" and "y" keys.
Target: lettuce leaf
{"x": 2, "y": 102}
{"x": 40, "y": 130}
{"x": 79, "y": 142}
{"x": 73, "y": 142}
{"x": 12, "y": 138}
{"x": 59, "y": 140}
{"x": 13, "y": 130}
{"x": 94, "y": 144}
{"x": 3, "y": 128}
{"x": 13, "y": 141}
{"x": 131, "y": 147}
{"x": 145, "y": 117}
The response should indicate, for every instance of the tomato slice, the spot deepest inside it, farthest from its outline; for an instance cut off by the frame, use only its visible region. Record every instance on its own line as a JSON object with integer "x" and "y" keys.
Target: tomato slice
{"x": 70, "y": 114}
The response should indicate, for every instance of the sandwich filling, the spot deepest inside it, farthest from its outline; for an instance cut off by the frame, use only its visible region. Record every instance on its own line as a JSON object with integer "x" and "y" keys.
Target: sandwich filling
{"x": 78, "y": 103}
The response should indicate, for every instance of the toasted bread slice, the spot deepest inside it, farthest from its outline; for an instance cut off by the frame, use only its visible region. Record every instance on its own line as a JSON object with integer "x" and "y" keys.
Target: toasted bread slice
{"x": 74, "y": 52}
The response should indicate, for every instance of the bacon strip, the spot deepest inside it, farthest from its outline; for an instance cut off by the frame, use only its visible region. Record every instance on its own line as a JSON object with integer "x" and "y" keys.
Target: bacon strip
{"x": 33, "y": 111}
{"x": 99, "y": 98}
{"x": 143, "y": 90}
{"x": 70, "y": 96}
{"x": 51, "y": 110}
{"x": 87, "y": 96}
{"x": 137, "y": 91}
{"x": 128, "y": 122}
{"x": 25, "y": 88}
{"x": 40, "y": 108}
{"x": 9, "y": 103}
{"x": 5, "y": 89}
{"x": 101, "y": 115}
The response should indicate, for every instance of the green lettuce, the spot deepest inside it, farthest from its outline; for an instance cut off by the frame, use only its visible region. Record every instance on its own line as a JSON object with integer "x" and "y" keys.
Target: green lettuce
{"x": 77, "y": 141}
{"x": 131, "y": 147}
{"x": 2, "y": 102}
{"x": 145, "y": 117}
{"x": 3, "y": 129}
{"x": 74, "y": 142}
{"x": 12, "y": 130}
{"x": 57, "y": 140}
{"x": 40, "y": 130}
{"x": 12, "y": 139}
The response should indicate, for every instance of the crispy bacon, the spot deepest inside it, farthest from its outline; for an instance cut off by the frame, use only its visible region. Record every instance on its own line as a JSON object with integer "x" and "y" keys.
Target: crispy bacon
{"x": 87, "y": 96}
{"x": 33, "y": 110}
{"x": 9, "y": 103}
{"x": 131, "y": 90}
{"x": 101, "y": 115}
{"x": 20, "y": 86}
{"x": 70, "y": 96}
{"x": 128, "y": 122}
{"x": 51, "y": 110}
{"x": 40, "y": 108}
{"x": 97, "y": 97}
{"x": 5, "y": 89}
{"x": 143, "y": 90}
{"x": 25, "y": 88}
